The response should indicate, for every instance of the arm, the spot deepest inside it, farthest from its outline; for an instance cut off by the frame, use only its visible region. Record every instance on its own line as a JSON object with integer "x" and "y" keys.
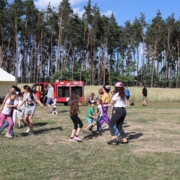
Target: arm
{"x": 21, "y": 104}
{"x": 39, "y": 102}
{"x": 7, "y": 95}
{"x": 11, "y": 106}
{"x": 53, "y": 93}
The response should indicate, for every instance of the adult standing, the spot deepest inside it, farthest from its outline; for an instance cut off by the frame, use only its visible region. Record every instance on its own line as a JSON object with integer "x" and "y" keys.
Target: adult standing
{"x": 127, "y": 92}
{"x": 119, "y": 113}
{"x": 50, "y": 95}
{"x": 29, "y": 99}
{"x": 144, "y": 93}
{"x": 105, "y": 100}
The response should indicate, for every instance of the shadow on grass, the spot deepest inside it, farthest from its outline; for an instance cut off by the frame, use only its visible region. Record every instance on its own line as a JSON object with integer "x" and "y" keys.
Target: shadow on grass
{"x": 134, "y": 135}
{"x": 43, "y": 131}
{"x": 63, "y": 111}
{"x": 94, "y": 134}
{"x": 40, "y": 124}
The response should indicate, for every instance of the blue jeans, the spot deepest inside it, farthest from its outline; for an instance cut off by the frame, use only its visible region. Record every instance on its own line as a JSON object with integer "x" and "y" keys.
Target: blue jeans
{"x": 49, "y": 101}
{"x": 99, "y": 127}
{"x": 6, "y": 124}
{"x": 116, "y": 130}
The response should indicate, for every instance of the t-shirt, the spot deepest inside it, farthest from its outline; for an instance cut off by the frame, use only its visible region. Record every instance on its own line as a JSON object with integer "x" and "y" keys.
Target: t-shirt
{"x": 50, "y": 92}
{"x": 144, "y": 91}
{"x": 22, "y": 107}
{"x": 30, "y": 102}
{"x": 118, "y": 101}
{"x": 7, "y": 110}
{"x": 54, "y": 103}
{"x": 16, "y": 101}
{"x": 127, "y": 92}
{"x": 100, "y": 109}
{"x": 90, "y": 112}
{"x": 106, "y": 98}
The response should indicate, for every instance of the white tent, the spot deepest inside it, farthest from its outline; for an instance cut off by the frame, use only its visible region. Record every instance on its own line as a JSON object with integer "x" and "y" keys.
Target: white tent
{"x": 6, "y": 81}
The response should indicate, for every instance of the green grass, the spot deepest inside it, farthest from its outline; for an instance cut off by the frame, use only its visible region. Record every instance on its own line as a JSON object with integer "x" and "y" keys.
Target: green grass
{"x": 152, "y": 153}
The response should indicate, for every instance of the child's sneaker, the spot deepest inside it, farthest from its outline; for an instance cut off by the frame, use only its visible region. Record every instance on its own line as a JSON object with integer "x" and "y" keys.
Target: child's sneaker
{"x": 77, "y": 139}
{"x": 30, "y": 133}
{"x": 72, "y": 140}
{"x": 8, "y": 136}
{"x": 27, "y": 130}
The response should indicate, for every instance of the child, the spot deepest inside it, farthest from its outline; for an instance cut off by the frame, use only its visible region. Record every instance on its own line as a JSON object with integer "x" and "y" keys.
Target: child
{"x": 6, "y": 113}
{"x": 99, "y": 114}
{"x": 20, "y": 113}
{"x": 74, "y": 110}
{"x": 91, "y": 119}
{"x": 115, "y": 126}
{"x": 53, "y": 105}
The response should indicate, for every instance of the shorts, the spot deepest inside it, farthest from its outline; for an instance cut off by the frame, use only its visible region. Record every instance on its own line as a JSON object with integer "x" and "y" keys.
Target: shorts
{"x": 90, "y": 121}
{"x": 49, "y": 101}
{"x": 144, "y": 98}
{"x": 54, "y": 108}
{"x": 127, "y": 97}
{"x": 20, "y": 114}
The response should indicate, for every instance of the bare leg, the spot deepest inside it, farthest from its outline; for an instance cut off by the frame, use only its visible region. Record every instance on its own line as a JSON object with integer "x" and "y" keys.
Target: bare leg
{"x": 31, "y": 122}
{"x": 73, "y": 132}
{"x": 78, "y": 131}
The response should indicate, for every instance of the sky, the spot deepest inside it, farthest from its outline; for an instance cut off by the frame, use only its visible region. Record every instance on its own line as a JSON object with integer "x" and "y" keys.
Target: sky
{"x": 123, "y": 9}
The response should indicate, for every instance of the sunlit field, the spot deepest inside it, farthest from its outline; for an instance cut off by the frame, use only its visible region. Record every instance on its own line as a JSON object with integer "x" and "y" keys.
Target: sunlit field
{"x": 153, "y": 152}
{"x": 154, "y": 94}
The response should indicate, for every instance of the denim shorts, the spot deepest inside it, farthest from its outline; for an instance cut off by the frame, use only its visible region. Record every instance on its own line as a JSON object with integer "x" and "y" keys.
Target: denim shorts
{"x": 49, "y": 101}
{"x": 90, "y": 121}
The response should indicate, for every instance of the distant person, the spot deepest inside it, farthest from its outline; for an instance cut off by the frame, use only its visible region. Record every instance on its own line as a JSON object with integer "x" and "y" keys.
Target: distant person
{"x": 50, "y": 95}
{"x": 127, "y": 92}
{"x": 90, "y": 98}
{"x": 144, "y": 93}
{"x": 44, "y": 93}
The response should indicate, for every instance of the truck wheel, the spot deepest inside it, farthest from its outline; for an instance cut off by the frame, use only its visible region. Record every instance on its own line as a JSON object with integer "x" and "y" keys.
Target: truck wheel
{"x": 66, "y": 103}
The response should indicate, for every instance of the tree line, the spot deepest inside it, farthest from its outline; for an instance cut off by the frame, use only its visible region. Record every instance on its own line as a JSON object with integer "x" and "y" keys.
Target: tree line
{"x": 55, "y": 44}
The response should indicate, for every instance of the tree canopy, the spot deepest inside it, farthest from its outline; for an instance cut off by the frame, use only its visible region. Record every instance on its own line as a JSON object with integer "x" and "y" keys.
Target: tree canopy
{"x": 55, "y": 43}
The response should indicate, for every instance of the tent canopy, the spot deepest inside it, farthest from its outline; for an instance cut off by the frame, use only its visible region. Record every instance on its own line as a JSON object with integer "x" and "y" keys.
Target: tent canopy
{"x": 6, "y": 81}
{"x": 6, "y": 77}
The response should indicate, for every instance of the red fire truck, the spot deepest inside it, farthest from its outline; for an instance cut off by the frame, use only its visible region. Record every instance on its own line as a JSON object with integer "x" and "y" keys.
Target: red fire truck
{"x": 62, "y": 90}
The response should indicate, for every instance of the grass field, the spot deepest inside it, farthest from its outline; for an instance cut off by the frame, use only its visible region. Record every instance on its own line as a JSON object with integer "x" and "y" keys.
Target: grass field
{"x": 152, "y": 153}
{"x": 154, "y": 94}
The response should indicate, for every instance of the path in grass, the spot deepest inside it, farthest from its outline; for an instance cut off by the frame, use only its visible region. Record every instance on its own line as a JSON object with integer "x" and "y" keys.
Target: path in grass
{"x": 152, "y": 153}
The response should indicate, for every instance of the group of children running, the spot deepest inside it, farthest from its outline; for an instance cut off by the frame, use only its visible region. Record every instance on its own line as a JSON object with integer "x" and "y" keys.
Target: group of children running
{"x": 23, "y": 106}
{"x": 97, "y": 118}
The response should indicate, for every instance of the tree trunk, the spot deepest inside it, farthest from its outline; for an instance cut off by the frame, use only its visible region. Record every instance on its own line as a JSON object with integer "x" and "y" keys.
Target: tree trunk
{"x": 153, "y": 60}
{"x": 177, "y": 78}
{"x": 59, "y": 44}
{"x": 16, "y": 59}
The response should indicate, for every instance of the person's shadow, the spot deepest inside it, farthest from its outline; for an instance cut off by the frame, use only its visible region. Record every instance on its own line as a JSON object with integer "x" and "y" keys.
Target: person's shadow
{"x": 94, "y": 134}
{"x": 134, "y": 135}
{"x": 43, "y": 131}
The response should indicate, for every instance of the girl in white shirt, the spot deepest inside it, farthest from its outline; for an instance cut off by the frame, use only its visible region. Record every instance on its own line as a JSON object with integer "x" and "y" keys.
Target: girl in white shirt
{"x": 6, "y": 113}
{"x": 119, "y": 113}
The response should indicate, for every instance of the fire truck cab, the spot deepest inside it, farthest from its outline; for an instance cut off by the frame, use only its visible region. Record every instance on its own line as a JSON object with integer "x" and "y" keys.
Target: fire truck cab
{"x": 62, "y": 90}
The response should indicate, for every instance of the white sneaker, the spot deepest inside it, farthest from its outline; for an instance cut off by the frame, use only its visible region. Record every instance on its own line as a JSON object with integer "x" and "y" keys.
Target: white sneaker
{"x": 27, "y": 130}
{"x": 77, "y": 139}
{"x": 72, "y": 140}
